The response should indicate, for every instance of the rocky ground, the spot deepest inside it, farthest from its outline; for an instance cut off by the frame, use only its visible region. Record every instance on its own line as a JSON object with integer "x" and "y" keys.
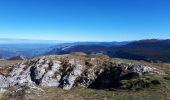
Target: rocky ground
{"x": 78, "y": 75}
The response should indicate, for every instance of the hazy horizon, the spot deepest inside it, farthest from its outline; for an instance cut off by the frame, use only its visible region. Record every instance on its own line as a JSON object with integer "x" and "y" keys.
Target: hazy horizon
{"x": 63, "y": 41}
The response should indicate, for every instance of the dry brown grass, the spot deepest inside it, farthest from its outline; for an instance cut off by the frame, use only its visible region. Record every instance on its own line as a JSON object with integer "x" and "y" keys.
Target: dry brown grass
{"x": 8, "y": 63}
{"x": 54, "y": 93}
{"x": 5, "y": 66}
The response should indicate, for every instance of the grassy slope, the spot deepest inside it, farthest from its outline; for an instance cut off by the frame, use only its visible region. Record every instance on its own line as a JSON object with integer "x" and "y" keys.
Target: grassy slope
{"x": 53, "y": 93}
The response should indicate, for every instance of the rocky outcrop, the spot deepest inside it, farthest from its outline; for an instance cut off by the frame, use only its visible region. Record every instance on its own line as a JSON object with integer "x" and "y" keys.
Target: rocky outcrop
{"x": 18, "y": 58}
{"x": 69, "y": 71}
{"x": 3, "y": 81}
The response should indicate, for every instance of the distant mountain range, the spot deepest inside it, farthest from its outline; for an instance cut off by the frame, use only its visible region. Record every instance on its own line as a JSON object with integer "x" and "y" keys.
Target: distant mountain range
{"x": 30, "y": 48}
{"x": 148, "y": 50}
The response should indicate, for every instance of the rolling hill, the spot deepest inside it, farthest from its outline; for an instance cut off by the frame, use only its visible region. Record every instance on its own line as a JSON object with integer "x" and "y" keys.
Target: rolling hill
{"x": 148, "y": 50}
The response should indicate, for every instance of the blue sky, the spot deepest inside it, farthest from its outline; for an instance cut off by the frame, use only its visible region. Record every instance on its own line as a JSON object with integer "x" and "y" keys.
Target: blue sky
{"x": 85, "y": 20}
